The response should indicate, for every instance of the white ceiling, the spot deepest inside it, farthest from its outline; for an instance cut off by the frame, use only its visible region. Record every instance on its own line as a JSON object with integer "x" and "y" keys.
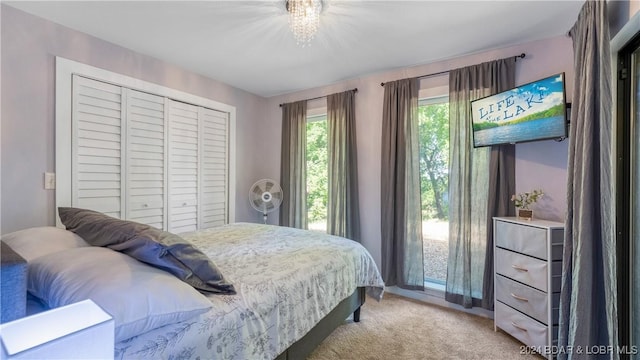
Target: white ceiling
{"x": 247, "y": 44}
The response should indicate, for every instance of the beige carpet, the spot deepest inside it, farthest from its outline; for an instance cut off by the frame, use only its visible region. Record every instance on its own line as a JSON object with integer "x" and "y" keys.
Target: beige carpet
{"x": 401, "y": 328}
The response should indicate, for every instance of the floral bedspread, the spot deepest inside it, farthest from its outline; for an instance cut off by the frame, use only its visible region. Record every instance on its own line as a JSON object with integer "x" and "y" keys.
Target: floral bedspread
{"x": 286, "y": 281}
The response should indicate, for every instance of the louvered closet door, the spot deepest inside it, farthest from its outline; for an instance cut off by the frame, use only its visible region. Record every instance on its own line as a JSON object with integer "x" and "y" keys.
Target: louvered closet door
{"x": 97, "y": 143}
{"x": 183, "y": 167}
{"x": 146, "y": 158}
{"x": 213, "y": 166}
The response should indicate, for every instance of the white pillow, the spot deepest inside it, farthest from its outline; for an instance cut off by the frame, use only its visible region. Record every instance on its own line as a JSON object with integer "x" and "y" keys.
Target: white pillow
{"x": 38, "y": 241}
{"x": 139, "y": 297}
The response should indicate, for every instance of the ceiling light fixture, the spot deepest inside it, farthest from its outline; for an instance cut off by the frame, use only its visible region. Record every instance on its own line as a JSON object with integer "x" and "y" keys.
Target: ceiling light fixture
{"x": 304, "y": 18}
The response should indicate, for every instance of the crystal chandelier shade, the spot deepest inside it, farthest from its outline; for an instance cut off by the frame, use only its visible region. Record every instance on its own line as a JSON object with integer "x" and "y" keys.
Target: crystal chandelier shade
{"x": 304, "y": 18}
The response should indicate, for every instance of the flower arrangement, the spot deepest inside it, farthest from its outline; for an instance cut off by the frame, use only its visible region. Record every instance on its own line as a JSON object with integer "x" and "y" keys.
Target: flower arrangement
{"x": 523, "y": 200}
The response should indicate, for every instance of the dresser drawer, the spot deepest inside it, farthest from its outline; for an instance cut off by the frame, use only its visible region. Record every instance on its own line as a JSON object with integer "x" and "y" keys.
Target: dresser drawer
{"x": 524, "y": 239}
{"x": 528, "y": 270}
{"x": 527, "y": 330}
{"x": 525, "y": 269}
{"x": 523, "y": 298}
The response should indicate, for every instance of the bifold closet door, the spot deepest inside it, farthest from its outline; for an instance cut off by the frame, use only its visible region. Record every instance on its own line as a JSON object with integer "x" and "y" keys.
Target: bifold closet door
{"x": 144, "y": 157}
{"x": 213, "y": 165}
{"x": 184, "y": 174}
{"x": 146, "y": 176}
{"x": 198, "y": 159}
{"x": 97, "y": 146}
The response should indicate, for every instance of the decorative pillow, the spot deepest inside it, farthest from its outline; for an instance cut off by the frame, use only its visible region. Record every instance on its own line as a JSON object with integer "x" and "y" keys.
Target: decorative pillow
{"x": 38, "y": 241}
{"x": 159, "y": 248}
{"x": 138, "y": 297}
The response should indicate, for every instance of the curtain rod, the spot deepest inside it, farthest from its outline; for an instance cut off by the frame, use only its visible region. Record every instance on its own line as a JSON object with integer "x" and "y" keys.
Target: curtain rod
{"x": 320, "y": 97}
{"x": 521, "y": 56}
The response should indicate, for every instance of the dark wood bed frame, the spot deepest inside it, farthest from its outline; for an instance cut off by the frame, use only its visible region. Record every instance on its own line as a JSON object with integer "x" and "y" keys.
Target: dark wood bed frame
{"x": 303, "y": 347}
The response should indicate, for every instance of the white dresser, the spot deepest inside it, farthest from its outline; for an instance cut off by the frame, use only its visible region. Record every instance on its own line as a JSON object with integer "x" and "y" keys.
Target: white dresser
{"x": 528, "y": 268}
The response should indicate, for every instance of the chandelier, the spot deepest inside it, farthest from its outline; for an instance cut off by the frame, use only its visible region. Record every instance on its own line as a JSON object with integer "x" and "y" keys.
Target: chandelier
{"x": 304, "y": 17}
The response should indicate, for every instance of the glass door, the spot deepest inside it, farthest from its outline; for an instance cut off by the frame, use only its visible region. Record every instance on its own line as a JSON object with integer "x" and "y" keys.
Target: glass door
{"x": 628, "y": 199}
{"x": 634, "y": 215}
{"x": 433, "y": 119}
{"x": 317, "y": 172}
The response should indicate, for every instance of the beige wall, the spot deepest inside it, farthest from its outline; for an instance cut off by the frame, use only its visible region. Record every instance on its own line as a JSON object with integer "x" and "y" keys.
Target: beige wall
{"x": 620, "y": 12}
{"x": 29, "y": 47}
{"x": 540, "y": 164}
{"x": 634, "y": 6}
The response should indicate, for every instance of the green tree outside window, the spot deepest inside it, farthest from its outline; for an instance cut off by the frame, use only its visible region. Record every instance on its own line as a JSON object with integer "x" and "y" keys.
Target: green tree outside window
{"x": 434, "y": 160}
{"x": 317, "y": 171}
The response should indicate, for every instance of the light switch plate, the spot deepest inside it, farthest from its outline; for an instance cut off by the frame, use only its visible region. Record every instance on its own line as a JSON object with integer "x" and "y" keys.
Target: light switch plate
{"x": 49, "y": 181}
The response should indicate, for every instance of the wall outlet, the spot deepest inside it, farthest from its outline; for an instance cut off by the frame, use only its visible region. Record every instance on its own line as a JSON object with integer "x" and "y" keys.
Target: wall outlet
{"x": 49, "y": 181}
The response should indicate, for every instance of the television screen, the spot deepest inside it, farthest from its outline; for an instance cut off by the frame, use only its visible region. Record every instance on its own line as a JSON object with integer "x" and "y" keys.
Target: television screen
{"x": 534, "y": 111}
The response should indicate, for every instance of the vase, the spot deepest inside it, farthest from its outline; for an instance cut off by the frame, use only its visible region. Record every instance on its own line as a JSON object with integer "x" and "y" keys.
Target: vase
{"x": 525, "y": 214}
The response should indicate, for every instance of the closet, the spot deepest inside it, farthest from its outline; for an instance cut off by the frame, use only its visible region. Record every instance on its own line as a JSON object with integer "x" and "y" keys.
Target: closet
{"x": 148, "y": 158}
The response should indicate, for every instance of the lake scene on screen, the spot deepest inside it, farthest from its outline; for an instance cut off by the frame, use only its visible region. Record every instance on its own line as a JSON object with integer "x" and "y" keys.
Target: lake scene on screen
{"x": 529, "y": 112}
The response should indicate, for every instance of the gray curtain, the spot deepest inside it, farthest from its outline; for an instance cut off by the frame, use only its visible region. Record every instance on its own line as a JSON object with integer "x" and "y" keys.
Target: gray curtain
{"x": 343, "y": 214}
{"x": 293, "y": 166}
{"x": 502, "y": 184}
{"x": 470, "y": 174}
{"x": 401, "y": 219}
{"x": 588, "y": 309}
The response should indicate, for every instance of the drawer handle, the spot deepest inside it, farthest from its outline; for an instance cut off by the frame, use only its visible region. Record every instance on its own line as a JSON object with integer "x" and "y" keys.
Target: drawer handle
{"x": 519, "y": 268}
{"x": 184, "y": 204}
{"x": 518, "y": 326}
{"x": 145, "y": 205}
{"x": 519, "y": 297}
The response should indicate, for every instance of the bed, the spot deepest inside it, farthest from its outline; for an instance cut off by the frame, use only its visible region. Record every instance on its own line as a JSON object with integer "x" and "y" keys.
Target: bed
{"x": 293, "y": 287}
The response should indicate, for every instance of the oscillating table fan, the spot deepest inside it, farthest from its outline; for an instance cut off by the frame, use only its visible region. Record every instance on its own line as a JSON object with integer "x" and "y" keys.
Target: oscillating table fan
{"x": 265, "y": 196}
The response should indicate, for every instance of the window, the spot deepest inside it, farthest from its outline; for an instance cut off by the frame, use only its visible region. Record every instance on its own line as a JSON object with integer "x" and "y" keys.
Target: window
{"x": 433, "y": 116}
{"x": 317, "y": 172}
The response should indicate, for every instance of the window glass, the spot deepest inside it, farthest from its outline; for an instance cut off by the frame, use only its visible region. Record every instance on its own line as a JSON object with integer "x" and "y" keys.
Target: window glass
{"x": 434, "y": 185}
{"x": 317, "y": 172}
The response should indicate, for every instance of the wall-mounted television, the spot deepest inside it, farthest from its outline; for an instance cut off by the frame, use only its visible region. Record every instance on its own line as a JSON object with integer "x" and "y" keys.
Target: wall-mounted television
{"x": 530, "y": 112}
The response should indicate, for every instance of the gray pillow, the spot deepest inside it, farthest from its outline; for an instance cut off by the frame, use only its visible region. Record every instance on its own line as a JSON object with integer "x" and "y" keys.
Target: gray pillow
{"x": 159, "y": 248}
{"x": 139, "y": 297}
